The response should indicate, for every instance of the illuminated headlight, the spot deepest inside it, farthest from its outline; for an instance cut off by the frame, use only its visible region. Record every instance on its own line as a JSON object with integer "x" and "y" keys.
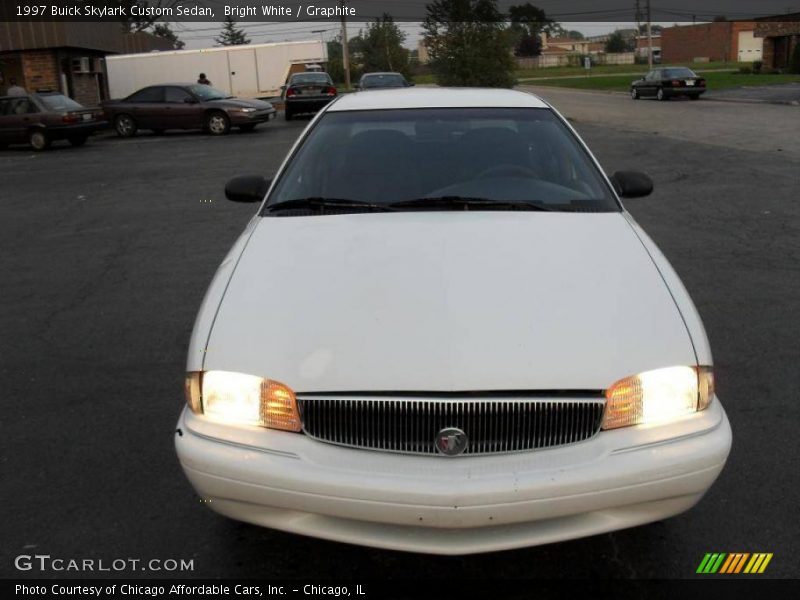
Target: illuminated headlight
{"x": 658, "y": 396}
{"x": 246, "y": 110}
{"x": 242, "y": 399}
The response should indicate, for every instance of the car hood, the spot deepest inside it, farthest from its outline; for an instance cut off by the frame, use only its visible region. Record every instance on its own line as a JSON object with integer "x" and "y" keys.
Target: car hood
{"x": 447, "y": 301}
{"x": 241, "y": 103}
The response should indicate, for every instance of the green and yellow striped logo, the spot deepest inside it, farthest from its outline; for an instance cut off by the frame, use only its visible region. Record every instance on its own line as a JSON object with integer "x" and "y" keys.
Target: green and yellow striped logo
{"x": 735, "y": 562}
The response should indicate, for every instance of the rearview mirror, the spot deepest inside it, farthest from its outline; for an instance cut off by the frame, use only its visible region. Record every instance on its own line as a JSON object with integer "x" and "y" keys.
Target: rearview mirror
{"x": 247, "y": 188}
{"x": 632, "y": 184}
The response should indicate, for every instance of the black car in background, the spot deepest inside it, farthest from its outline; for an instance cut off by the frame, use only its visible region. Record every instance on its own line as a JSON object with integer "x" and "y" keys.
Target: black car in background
{"x": 377, "y": 81}
{"x": 307, "y": 93}
{"x": 185, "y": 106}
{"x": 44, "y": 117}
{"x": 668, "y": 82}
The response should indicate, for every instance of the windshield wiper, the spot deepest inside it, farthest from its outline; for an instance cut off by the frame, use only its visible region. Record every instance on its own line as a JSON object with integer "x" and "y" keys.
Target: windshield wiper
{"x": 466, "y": 203}
{"x": 318, "y": 202}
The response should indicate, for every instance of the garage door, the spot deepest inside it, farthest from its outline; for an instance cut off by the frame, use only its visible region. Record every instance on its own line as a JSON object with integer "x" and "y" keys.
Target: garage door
{"x": 749, "y": 46}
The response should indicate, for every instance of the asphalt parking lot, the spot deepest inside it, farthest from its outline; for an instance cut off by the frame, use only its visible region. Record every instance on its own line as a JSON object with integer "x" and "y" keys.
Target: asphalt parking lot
{"x": 108, "y": 249}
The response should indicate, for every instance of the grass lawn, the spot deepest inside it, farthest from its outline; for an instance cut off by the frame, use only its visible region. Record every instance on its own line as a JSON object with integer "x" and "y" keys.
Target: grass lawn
{"x": 715, "y": 81}
{"x": 546, "y": 73}
{"x": 610, "y": 69}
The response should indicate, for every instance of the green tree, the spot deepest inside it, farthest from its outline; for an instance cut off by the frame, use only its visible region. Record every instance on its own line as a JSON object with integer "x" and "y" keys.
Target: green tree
{"x": 163, "y": 30}
{"x": 468, "y": 43}
{"x": 575, "y": 35}
{"x": 527, "y": 22}
{"x": 794, "y": 63}
{"x": 231, "y": 35}
{"x": 382, "y": 47}
{"x": 616, "y": 43}
{"x": 335, "y": 66}
{"x": 149, "y": 24}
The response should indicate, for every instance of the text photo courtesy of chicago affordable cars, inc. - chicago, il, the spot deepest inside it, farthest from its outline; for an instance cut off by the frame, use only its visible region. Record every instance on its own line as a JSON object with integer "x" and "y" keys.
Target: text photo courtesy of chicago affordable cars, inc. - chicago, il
{"x": 395, "y": 299}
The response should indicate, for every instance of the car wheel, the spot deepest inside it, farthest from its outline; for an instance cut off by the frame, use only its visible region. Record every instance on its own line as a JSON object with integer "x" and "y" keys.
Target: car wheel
{"x": 218, "y": 123}
{"x": 660, "y": 94}
{"x": 39, "y": 140}
{"x": 78, "y": 140}
{"x": 694, "y": 97}
{"x": 249, "y": 127}
{"x": 125, "y": 126}
{"x": 634, "y": 93}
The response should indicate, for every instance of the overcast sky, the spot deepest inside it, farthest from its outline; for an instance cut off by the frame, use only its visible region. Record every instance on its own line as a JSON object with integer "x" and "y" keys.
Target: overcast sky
{"x": 201, "y": 35}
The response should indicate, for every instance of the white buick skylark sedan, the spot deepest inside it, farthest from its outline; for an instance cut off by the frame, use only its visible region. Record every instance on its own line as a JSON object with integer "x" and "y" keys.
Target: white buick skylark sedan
{"x": 442, "y": 332}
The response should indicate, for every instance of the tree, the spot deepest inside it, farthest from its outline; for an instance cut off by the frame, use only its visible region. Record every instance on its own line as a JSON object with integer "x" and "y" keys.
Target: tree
{"x": 794, "y": 62}
{"x": 468, "y": 43}
{"x": 148, "y": 24}
{"x": 527, "y": 22}
{"x": 163, "y": 30}
{"x": 616, "y": 43}
{"x": 231, "y": 35}
{"x": 335, "y": 66}
{"x": 382, "y": 47}
{"x": 575, "y": 35}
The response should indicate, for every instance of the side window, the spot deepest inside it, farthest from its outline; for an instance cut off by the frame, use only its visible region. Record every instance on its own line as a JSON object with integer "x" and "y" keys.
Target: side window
{"x": 21, "y": 106}
{"x": 4, "y": 107}
{"x": 175, "y": 94}
{"x": 151, "y": 94}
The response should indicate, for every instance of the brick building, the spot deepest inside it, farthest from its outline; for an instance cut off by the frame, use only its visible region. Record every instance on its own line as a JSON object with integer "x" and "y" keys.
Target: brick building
{"x": 66, "y": 56}
{"x": 718, "y": 41}
{"x": 780, "y": 35}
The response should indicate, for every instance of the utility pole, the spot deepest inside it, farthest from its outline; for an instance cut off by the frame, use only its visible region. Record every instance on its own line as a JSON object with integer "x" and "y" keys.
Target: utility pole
{"x": 345, "y": 49}
{"x": 649, "y": 39}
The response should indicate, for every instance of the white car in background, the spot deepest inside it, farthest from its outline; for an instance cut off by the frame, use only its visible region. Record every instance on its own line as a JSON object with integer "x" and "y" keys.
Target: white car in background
{"x": 443, "y": 333}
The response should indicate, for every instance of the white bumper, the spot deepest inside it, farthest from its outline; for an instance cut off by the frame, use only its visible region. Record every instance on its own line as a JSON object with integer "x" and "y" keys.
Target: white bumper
{"x": 456, "y": 505}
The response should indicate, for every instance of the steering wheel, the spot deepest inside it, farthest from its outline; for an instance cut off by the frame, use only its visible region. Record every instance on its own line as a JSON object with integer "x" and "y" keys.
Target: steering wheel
{"x": 508, "y": 171}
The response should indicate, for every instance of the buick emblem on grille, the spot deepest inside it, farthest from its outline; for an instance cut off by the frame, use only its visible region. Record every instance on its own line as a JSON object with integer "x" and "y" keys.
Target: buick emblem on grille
{"x": 451, "y": 441}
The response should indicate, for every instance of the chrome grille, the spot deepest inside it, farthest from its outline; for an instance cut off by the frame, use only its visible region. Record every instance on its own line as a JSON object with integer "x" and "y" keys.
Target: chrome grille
{"x": 410, "y": 424}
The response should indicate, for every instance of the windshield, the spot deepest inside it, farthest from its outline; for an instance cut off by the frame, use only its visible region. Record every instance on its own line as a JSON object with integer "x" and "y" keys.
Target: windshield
{"x": 60, "y": 102}
{"x": 677, "y": 73}
{"x": 383, "y": 80}
{"x": 506, "y": 155}
{"x": 318, "y": 78}
{"x": 206, "y": 92}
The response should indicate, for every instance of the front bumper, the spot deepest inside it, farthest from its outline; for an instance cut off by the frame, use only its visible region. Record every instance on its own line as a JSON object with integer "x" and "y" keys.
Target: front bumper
{"x": 458, "y": 505}
{"x": 243, "y": 118}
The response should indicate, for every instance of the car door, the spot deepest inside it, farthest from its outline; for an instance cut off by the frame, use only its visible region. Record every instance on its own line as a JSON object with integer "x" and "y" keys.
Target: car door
{"x": 181, "y": 109}
{"x": 17, "y": 114}
{"x": 145, "y": 107}
{"x": 648, "y": 87}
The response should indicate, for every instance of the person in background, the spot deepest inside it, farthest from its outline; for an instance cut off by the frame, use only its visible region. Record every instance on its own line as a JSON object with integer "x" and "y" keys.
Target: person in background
{"x": 14, "y": 89}
{"x": 203, "y": 79}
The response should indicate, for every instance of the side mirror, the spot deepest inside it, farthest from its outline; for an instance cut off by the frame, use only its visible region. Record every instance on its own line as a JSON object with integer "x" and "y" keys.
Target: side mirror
{"x": 632, "y": 184}
{"x": 411, "y": 84}
{"x": 247, "y": 188}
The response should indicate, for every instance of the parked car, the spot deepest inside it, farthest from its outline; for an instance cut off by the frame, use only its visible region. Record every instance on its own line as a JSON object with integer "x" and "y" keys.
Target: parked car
{"x": 41, "y": 118}
{"x": 307, "y": 93}
{"x": 375, "y": 81}
{"x": 444, "y": 333}
{"x": 185, "y": 106}
{"x": 668, "y": 82}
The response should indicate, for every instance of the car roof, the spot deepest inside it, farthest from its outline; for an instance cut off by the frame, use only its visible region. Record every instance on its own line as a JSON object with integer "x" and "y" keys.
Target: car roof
{"x": 424, "y": 97}
{"x": 382, "y": 73}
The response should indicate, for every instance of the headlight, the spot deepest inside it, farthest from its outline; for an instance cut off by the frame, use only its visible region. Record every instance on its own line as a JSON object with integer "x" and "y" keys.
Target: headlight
{"x": 246, "y": 110}
{"x": 229, "y": 397}
{"x": 658, "y": 396}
